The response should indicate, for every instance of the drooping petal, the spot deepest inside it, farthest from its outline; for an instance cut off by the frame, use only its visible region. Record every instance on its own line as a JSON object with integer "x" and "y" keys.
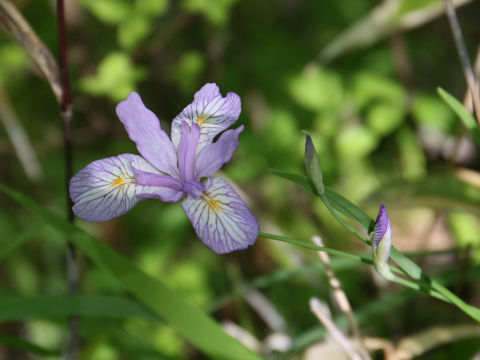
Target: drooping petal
{"x": 143, "y": 127}
{"x": 211, "y": 111}
{"x": 107, "y": 188}
{"x": 214, "y": 155}
{"x": 220, "y": 217}
{"x": 187, "y": 151}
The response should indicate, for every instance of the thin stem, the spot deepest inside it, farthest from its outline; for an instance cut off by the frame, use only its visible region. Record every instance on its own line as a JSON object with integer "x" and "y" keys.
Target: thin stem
{"x": 464, "y": 58}
{"x": 343, "y": 222}
{"x": 72, "y": 348}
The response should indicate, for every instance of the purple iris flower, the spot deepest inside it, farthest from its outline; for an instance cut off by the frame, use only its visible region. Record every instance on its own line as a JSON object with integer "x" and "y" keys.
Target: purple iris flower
{"x": 172, "y": 169}
{"x": 382, "y": 236}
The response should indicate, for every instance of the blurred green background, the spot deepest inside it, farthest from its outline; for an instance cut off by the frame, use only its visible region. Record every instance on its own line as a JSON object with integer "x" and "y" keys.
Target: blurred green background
{"x": 360, "y": 76}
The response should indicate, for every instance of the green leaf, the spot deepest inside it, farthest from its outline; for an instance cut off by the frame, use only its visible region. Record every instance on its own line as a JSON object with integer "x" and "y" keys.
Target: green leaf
{"x": 216, "y": 11}
{"x": 15, "y": 307}
{"x": 316, "y": 88}
{"x": 109, "y": 11}
{"x": 133, "y": 31}
{"x": 26, "y": 346}
{"x": 189, "y": 321}
{"x": 347, "y": 208}
{"x": 467, "y": 118}
{"x": 116, "y": 77}
{"x": 355, "y": 142}
{"x": 151, "y": 8}
{"x": 296, "y": 178}
{"x": 370, "y": 88}
{"x": 187, "y": 71}
{"x": 385, "y": 117}
{"x": 428, "y": 110}
{"x": 341, "y": 204}
{"x": 312, "y": 165}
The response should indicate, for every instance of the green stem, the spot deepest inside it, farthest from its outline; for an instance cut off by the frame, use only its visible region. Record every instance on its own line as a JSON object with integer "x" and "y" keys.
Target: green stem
{"x": 340, "y": 219}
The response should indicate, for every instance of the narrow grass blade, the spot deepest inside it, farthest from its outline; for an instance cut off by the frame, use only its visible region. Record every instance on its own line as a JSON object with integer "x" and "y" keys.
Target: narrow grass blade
{"x": 464, "y": 115}
{"x": 15, "y": 307}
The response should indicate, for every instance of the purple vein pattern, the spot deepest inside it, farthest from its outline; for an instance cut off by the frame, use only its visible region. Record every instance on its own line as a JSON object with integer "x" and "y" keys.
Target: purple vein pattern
{"x": 170, "y": 170}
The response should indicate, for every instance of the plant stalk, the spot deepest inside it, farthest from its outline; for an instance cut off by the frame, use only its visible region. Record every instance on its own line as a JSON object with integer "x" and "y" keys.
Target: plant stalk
{"x": 66, "y": 112}
{"x": 464, "y": 58}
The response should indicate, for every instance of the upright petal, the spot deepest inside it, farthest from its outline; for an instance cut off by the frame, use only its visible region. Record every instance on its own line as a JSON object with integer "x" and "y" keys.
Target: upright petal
{"x": 187, "y": 151}
{"x": 143, "y": 127}
{"x": 211, "y": 111}
{"x": 107, "y": 188}
{"x": 214, "y": 155}
{"x": 220, "y": 218}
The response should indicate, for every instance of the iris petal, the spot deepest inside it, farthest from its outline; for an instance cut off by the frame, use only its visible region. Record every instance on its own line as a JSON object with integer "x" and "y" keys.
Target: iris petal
{"x": 214, "y": 155}
{"x": 107, "y": 188}
{"x": 220, "y": 217}
{"x": 212, "y": 112}
{"x": 143, "y": 127}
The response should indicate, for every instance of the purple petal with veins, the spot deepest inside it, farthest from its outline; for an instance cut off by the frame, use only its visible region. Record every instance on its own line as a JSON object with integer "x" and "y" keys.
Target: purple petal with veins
{"x": 212, "y": 112}
{"x": 381, "y": 226}
{"x": 107, "y": 188}
{"x": 220, "y": 217}
{"x": 214, "y": 155}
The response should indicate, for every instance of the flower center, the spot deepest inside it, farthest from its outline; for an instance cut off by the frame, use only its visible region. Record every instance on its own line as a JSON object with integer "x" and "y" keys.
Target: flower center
{"x": 201, "y": 120}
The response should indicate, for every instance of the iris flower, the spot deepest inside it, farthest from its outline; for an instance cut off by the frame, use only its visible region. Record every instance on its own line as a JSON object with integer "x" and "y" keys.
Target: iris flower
{"x": 173, "y": 169}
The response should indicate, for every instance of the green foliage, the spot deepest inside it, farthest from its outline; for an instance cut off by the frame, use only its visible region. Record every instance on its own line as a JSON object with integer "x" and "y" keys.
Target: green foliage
{"x": 382, "y": 135}
{"x": 215, "y": 11}
{"x": 116, "y": 77}
{"x": 355, "y": 142}
{"x": 186, "y": 318}
{"x": 430, "y": 111}
{"x": 316, "y": 89}
{"x": 187, "y": 71}
{"x": 468, "y": 120}
{"x": 109, "y": 11}
{"x": 12, "y": 59}
{"x": 384, "y": 117}
{"x": 464, "y": 227}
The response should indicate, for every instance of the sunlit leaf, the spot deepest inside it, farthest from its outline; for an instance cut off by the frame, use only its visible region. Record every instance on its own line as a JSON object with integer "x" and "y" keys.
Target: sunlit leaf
{"x": 109, "y": 11}
{"x": 467, "y": 118}
{"x": 355, "y": 142}
{"x": 116, "y": 77}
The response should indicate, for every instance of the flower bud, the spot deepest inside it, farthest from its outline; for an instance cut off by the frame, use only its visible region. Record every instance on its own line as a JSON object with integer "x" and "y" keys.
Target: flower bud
{"x": 381, "y": 238}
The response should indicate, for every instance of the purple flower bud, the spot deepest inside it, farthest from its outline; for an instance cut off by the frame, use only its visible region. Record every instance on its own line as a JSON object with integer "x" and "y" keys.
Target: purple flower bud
{"x": 382, "y": 236}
